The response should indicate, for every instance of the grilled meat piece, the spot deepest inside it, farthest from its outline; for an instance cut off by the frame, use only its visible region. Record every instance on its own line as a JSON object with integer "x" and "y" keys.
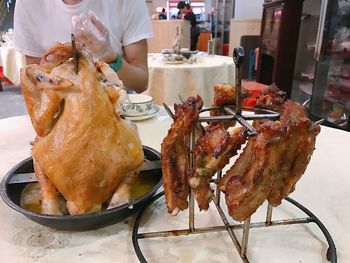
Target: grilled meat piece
{"x": 225, "y": 95}
{"x": 271, "y": 163}
{"x": 174, "y": 154}
{"x": 271, "y": 98}
{"x": 212, "y": 152}
{"x": 248, "y": 182}
{"x": 295, "y": 148}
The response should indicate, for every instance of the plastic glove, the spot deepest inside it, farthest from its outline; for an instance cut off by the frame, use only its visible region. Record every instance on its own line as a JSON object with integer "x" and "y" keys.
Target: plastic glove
{"x": 91, "y": 32}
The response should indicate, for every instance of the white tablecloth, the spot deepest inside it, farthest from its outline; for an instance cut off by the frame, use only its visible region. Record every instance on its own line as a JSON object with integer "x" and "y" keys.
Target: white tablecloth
{"x": 167, "y": 82}
{"x": 11, "y": 61}
{"x": 324, "y": 189}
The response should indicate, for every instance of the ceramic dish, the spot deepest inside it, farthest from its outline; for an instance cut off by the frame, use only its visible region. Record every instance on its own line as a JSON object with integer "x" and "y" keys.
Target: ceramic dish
{"x": 173, "y": 62}
{"x": 141, "y": 105}
{"x": 150, "y": 114}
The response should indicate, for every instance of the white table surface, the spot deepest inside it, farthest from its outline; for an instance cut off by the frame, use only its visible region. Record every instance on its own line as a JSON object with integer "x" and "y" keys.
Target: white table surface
{"x": 324, "y": 189}
{"x": 11, "y": 61}
{"x": 167, "y": 81}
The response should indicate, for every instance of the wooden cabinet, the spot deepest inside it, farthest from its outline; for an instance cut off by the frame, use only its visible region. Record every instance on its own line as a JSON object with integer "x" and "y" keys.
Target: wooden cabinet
{"x": 279, "y": 33}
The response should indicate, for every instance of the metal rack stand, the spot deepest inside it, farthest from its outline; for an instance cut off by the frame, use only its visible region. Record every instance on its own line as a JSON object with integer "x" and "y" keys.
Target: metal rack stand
{"x": 246, "y": 226}
{"x": 242, "y": 245}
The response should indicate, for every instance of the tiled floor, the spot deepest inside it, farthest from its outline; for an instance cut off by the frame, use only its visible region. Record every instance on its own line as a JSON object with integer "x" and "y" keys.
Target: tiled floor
{"x": 11, "y": 102}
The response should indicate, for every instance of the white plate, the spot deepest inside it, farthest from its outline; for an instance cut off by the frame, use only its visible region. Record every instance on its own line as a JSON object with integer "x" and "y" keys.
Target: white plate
{"x": 149, "y": 115}
{"x": 173, "y": 62}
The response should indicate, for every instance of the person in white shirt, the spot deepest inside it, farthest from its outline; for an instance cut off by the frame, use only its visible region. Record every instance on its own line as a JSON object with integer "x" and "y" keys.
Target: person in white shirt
{"x": 115, "y": 31}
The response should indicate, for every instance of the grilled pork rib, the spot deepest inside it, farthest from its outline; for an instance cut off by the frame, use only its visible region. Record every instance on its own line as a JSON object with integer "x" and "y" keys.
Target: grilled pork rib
{"x": 212, "y": 152}
{"x": 174, "y": 154}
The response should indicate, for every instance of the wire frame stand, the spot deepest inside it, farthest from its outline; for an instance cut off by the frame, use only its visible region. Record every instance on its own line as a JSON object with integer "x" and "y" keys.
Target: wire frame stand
{"x": 240, "y": 245}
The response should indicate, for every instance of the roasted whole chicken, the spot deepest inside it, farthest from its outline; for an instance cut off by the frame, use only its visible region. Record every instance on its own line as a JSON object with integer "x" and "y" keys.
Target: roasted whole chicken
{"x": 83, "y": 149}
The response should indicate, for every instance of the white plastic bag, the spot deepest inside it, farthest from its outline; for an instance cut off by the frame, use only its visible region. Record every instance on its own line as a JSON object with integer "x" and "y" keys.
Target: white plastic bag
{"x": 91, "y": 32}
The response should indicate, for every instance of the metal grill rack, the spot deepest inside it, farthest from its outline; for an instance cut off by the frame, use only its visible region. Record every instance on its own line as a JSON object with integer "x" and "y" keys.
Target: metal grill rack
{"x": 234, "y": 113}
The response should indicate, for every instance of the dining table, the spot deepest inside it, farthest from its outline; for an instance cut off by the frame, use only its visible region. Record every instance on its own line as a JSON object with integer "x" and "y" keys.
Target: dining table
{"x": 12, "y": 61}
{"x": 168, "y": 81}
{"x": 323, "y": 189}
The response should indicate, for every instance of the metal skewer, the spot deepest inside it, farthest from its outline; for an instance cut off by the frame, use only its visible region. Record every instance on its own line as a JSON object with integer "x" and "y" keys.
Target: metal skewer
{"x": 75, "y": 54}
{"x": 238, "y": 58}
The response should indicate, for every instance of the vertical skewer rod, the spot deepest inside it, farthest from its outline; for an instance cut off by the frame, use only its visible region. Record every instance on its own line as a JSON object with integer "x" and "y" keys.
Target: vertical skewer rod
{"x": 75, "y": 54}
{"x": 269, "y": 215}
{"x": 238, "y": 57}
{"x": 217, "y": 191}
{"x": 191, "y": 164}
{"x": 239, "y": 91}
{"x": 245, "y": 237}
{"x": 229, "y": 230}
{"x": 191, "y": 211}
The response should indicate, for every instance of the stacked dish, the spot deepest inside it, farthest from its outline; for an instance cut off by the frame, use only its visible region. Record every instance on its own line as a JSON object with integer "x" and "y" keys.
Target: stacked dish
{"x": 142, "y": 108}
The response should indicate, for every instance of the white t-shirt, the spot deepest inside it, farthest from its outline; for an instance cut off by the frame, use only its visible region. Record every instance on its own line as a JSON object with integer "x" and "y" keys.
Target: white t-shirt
{"x": 38, "y": 24}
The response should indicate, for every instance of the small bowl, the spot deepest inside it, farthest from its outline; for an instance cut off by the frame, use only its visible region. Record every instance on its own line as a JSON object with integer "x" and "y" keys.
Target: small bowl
{"x": 141, "y": 105}
{"x": 186, "y": 54}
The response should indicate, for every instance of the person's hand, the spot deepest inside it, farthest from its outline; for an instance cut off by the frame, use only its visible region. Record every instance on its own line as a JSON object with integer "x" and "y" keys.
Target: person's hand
{"x": 91, "y": 32}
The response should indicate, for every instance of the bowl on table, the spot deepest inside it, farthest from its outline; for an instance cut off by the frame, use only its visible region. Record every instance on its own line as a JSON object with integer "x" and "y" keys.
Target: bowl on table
{"x": 141, "y": 105}
{"x": 187, "y": 53}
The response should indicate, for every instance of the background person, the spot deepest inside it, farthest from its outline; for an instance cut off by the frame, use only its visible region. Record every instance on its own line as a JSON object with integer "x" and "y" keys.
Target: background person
{"x": 162, "y": 15}
{"x": 185, "y": 10}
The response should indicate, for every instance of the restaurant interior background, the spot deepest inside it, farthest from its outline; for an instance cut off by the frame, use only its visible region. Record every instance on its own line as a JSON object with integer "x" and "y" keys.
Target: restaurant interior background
{"x": 301, "y": 46}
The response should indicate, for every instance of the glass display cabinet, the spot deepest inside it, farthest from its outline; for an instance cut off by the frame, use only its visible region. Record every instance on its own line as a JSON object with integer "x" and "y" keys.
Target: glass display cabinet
{"x": 330, "y": 97}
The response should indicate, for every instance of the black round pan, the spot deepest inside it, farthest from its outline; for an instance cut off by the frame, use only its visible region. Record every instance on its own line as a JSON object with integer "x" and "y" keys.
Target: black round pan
{"x": 11, "y": 194}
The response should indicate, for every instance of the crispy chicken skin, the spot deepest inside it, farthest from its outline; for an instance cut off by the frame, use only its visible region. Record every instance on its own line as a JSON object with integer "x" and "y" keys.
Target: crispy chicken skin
{"x": 212, "y": 152}
{"x": 83, "y": 149}
{"x": 174, "y": 154}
